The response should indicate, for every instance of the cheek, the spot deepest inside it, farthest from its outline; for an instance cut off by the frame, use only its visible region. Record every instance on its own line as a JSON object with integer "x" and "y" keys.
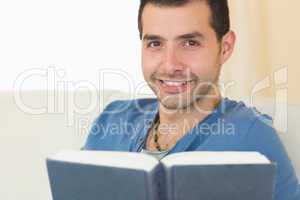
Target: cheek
{"x": 196, "y": 62}
{"x": 202, "y": 64}
{"x": 150, "y": 63}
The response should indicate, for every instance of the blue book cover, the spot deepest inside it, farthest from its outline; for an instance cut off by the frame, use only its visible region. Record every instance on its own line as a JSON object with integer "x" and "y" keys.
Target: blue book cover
{"x": 105, "y": 175}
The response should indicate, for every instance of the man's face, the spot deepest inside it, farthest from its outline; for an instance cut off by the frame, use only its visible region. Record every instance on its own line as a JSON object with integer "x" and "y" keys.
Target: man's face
{"x": 180, "y": 53}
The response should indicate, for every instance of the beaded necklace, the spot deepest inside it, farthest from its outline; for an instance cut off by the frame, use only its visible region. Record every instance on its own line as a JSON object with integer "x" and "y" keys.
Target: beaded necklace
{"x": 155, "y": 128}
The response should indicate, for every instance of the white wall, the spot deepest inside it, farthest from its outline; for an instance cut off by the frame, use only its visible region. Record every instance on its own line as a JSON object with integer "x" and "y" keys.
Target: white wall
{"x": 78, "y": 37}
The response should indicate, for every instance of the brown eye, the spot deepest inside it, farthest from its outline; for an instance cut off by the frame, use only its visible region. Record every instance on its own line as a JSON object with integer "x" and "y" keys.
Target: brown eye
{"x": 191, "y": 43}
{"x": 154, "y": 44}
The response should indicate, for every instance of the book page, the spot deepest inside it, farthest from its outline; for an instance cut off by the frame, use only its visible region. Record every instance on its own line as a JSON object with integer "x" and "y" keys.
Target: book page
{"x": 129, "y": 160}
{"x": 214, "y": 158}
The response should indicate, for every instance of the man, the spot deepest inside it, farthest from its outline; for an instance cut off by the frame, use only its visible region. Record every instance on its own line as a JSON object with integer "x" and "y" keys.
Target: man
{"x": 184, "y": 44}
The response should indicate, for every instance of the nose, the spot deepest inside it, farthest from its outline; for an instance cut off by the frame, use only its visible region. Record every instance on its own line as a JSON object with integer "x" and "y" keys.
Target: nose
{"x": 171, "y": 61}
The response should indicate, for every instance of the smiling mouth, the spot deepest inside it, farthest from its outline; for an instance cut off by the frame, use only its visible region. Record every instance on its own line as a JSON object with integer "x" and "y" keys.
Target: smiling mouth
{"x": 174, "y": 83}
{"x": 174, "y": 86}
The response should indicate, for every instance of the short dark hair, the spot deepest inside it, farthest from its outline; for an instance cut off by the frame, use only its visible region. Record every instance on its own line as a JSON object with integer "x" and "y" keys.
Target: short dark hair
{"x": 220, "y": 20}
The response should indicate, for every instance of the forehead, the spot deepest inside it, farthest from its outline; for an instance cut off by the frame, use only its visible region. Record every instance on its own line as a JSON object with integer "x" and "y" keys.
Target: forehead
{"x": 170, "y": 21}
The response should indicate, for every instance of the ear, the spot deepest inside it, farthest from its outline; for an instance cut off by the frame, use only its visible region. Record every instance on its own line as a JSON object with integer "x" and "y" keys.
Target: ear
{"x": 228, "y": 43}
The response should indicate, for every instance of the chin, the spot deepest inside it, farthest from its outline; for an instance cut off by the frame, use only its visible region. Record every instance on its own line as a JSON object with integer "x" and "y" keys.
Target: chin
{"x": 174, "y": 103}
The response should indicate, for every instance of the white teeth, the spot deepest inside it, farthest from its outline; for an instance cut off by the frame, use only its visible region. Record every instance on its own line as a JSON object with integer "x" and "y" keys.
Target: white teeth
{"x": 173, "y": 83}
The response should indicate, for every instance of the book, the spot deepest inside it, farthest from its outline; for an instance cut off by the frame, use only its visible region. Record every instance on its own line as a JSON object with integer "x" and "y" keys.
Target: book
{"x": 112, "y": 175}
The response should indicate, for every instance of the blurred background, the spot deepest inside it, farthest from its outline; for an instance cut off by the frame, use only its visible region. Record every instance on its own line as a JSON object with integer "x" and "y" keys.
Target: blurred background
{"x": 63, "y": 61}
{"x": 268, "y": 39}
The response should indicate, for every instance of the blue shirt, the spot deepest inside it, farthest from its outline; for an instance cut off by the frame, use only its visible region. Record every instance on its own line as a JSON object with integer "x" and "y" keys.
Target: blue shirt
{"x": 232, "y": 126}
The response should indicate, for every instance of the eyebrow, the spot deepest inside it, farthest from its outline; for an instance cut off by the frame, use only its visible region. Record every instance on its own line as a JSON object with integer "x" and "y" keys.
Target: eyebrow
{"x": 192, "y": 35}
{"x": 152, "y": 37}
